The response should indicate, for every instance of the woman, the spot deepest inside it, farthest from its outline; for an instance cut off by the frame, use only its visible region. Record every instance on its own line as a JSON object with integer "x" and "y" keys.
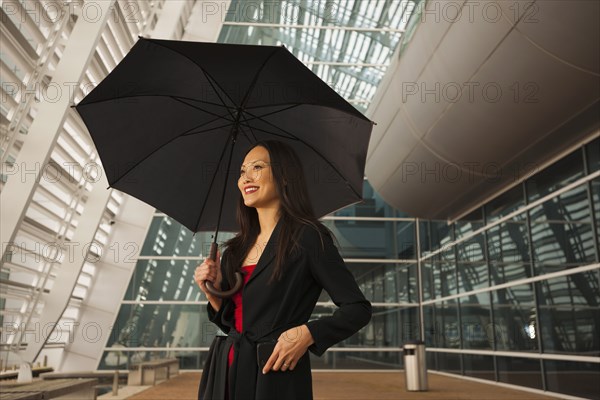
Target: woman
{"x": 287, "y": 257}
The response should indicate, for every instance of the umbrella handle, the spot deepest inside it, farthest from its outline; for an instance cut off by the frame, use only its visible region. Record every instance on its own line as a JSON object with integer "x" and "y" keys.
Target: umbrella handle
{"x": 227, "y": 293}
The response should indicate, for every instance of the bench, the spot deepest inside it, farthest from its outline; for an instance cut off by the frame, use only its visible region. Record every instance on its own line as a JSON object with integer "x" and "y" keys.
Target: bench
{"x": 149, "y": 372}
{"x": 104, "y": 377}
{"x": 80, "y": 389}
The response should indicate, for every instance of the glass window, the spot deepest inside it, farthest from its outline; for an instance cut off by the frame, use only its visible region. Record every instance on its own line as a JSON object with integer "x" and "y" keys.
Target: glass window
{"x": 504, "y": 204}
{"x": 476, "y": 323}
{"x": 555, "y": 176}
{"x": 471, "y": 276}
{"x": 562, "y": 245}
{"x": 371, "y": 206}
{"x": 439, "y": 279}
{"x": 374, "y": 239}
{"x": 574, "y": 378}
{"x": 570, "y": 314}
{"x": 449, "y": 362}
{"x": 508, "y": 249}
{"x": 595, "y": 189}
{"x": 593, "y": 155}
{"x": 568, "y": 206}
{"x": 472, "y": 269}
{"x": 383, "y": 282}
{"x": 514, "y": 319}
{"x": 479, "y": 366}
{"x": 124, "y": 360}
{"x": 158, "y": 325}
{"x": 164, "y": 280}
{"x": 167, "y": 237}
{"x": 389, "y": 326}
{"x": 520, "y": 371}
{"x": 442, "y": 324}
{"x": 434, "y": 235}
{"x": 357, "y": 360}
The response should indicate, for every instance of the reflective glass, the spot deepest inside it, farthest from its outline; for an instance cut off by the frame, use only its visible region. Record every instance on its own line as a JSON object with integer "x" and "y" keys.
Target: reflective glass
{"x": 471, "y": 266}
{"x": 595, "y": 189}
{"x": 476, "y": 323}
{"x": 555, "y": 176}
{"x": 572, "y": 205}
{"x": 356, "y": 83}
{"x": 504, "y": 204}
{"x": 389, "y": 326}
{"x": 125, "y": 360}
{"x": 575, "y": 378}
{"x": 439, "y": 279}
{"x": 434, "y": 235}
{"x": 479, "y": 366}
{"x": 592, "y": 151}
{"x": 562, "y": 245}
{"x": 158, "y": 325}
{"x": 164, "y": 280}
{"x": 358, "y": 360}
{"x": 449, "y": 362}
{"x": 569, "y": 314}
{"x": 371, "y": 206}
{"x": 520, "y": 371}
{"x": 514, "y": 324}
{"x": 441, "y": 324}
{"x": 508, "y": 249}
{"x": 374, "y": 239}
{"x": 427, "y": 276}
{"x": 167, "y": 237}
{"x": 383, "y": 282}
{"x": 471, "y": 276}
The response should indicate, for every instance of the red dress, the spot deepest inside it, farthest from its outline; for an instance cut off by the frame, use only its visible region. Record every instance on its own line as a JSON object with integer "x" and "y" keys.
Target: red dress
{"x": 237, "y": 300}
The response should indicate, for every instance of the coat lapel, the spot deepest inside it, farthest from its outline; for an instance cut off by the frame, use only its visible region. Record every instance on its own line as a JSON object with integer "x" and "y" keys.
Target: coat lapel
{"x": 268, "y": 253}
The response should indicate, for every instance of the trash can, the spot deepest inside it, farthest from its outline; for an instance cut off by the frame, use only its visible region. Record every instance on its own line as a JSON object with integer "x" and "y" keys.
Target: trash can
{"x": 415, "y": 370}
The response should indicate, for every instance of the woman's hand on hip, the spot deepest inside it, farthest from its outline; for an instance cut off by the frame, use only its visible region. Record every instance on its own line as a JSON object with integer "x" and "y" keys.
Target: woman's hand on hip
{"x": 290, "y": 347}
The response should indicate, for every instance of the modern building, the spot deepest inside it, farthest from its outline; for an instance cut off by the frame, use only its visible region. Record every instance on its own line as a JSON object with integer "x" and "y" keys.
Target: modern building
{"x": 478, "y": 233}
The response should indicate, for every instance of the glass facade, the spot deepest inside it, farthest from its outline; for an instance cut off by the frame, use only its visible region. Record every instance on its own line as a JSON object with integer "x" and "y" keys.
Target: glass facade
{"x": 513, "y": 288}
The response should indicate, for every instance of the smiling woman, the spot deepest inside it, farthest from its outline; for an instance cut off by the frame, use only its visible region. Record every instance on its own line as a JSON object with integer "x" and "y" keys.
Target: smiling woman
{"x": 288, "y": 257}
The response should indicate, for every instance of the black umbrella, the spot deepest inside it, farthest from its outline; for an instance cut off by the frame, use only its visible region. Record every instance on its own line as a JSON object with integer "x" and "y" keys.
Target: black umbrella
{"x": 174, "y": 116}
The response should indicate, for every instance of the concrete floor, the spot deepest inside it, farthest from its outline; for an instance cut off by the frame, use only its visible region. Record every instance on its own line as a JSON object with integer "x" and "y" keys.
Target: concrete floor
{"x": 359, "y": 386}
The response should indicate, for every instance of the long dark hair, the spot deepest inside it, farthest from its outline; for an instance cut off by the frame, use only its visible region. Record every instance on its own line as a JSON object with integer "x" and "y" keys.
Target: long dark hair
{"x": 295, "y": 212}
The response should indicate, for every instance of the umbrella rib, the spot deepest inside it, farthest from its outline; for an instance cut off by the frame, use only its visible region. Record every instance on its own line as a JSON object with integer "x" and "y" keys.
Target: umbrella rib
{"x": 203, "y": 110}
{"x": 251, "y": 88}
{"x": 312, "y": 148}
{"x": 250, "y": 129}
{"x": 311, "y": 104}
{"x": 209, "y": 191}
{"x": 205, "y": 73}
{"x": 188, "y": 133}
{"x": 148, "y": 155}
{"x": 269, "y": 132}
{"x": 148, "y": 95}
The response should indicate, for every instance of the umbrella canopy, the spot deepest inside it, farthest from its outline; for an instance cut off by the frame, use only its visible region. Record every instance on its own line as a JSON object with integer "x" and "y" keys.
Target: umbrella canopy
{"x": 173, "y": 120}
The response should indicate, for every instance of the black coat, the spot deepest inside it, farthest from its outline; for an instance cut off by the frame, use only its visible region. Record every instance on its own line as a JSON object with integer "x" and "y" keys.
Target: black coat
{"x": 270, "y": 310}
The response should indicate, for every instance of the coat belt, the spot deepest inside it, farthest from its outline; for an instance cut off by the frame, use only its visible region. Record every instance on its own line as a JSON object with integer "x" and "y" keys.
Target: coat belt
{"x": 243, "y": 376}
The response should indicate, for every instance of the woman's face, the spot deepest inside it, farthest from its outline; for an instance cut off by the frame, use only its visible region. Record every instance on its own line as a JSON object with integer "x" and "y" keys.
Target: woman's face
{"x": 256, "y": 173}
